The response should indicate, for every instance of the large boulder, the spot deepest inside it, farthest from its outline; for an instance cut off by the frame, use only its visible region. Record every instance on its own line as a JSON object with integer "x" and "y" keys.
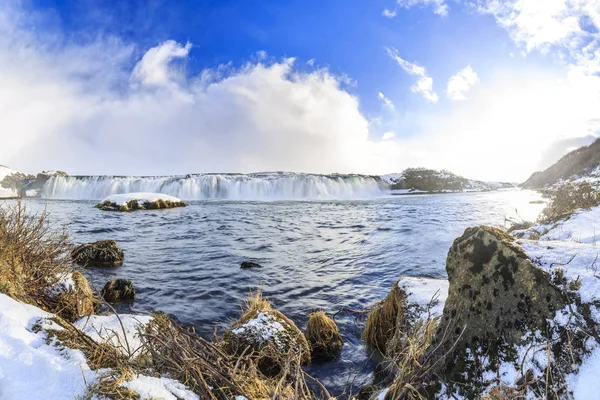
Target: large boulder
{"x": 104, "y": 253}
{"x": 273, "y": 338}
{"x": 497, "y": 297}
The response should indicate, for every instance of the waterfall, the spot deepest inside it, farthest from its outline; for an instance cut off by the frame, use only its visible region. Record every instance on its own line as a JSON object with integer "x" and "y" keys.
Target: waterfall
{"x": 260, "y": 186}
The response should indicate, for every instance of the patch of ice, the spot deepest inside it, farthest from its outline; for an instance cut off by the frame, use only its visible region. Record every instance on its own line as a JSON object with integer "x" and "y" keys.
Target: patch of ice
{"x": 423, "y": 290}
{"x": 150, "y": 388}
{"x": 122, "y": 199}
{"x": 121, "y": 331}
{"x": 381, "y": 395}
{"x": 29, "y": 367}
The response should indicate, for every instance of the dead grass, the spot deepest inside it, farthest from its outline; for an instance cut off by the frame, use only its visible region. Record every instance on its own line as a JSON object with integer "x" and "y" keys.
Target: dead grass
{"x": 208, "y": 370}
{"x": 34, "y": 257}
{"x": 323, "y": 336}
{"x": 406, "y": 360}
{"x": 385, "y": 318}
{"x": 99, "y": 355}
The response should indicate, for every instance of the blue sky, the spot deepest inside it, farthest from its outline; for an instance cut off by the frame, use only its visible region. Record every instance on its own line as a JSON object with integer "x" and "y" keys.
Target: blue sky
{"x": 369, "y": 88}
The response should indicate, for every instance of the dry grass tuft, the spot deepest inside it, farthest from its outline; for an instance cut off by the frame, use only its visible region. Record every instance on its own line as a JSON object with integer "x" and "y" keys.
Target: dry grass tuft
{"x": 109, "y": 386}
{"x": 323, "y": 336}
{"x": 407, "y": 359}
{"x": 99, "y": 355}
{"x": 385, "y": 318}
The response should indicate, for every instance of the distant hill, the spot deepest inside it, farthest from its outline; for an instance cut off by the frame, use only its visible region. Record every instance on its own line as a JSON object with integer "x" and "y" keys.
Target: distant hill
{"x": 430, "y": 180}
{"x": 581, "y": 163}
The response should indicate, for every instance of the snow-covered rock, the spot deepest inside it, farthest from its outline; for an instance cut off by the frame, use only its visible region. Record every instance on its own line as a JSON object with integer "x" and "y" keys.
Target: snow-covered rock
{"x": 139, "y": 201}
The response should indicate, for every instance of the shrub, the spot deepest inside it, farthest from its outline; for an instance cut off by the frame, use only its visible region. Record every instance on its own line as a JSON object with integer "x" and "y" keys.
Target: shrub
{"x": 568, "y": 198}
{"x": 15, "y": 181}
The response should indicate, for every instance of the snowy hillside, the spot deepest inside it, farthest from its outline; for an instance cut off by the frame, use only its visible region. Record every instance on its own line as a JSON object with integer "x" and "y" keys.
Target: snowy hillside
{"x": 429, "y": 180}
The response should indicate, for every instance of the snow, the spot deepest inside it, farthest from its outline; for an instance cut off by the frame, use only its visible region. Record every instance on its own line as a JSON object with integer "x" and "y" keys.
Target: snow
{"x": 121, "y": 331}
{"x": 263, "y": 328}
{"x": 423, "y": 290}
{"x": 159, "y": 388}
{"x": 122, "y": 199}
{"x": 583, "y": 226}
{"x": 64, "y": 284}
{"x": 585, "y": 384}
{"x": 29, "y": 367}
{"x": 578, "y": 260}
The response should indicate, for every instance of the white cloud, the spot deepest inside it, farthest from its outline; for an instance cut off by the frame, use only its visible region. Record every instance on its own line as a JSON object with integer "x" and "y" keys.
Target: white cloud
{"x": 99, "y": 108}
{"x": 569, "y": 26}
{"x": 424, "y": 84}
{"x": 388, "y": 14}
{"x": 156, "y": 66}
{"x": 311, "y": 62}
{"x": 439, "y": 6}
{"x": 461, "y": 83}
{"x": 388, "y": 135}
{"x": 387, "y": 103}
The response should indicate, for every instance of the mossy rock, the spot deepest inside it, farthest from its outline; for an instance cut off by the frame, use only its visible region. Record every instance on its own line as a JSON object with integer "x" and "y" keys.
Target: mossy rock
{"x": 496, "y": 296}
{"x": 118, "y": 290}
{"x": 274, "y": 338}
{"x": 104, "y": 253}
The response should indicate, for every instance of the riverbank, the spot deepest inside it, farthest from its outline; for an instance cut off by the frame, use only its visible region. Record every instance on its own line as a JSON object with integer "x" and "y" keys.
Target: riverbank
{"x": 424, "y": 290}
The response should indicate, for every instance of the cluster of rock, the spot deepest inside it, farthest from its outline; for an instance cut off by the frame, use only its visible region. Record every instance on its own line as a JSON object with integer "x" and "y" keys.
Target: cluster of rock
{"x": 105, "y": 253}
{"x": 507, "y": 327}
{"x": 133, "y": 205}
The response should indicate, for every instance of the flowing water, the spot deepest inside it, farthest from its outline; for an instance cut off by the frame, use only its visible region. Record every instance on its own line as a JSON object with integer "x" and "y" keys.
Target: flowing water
{"x": 319, "y": 254}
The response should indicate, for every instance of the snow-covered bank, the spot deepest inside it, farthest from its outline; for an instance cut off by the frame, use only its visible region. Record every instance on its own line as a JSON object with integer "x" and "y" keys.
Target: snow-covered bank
{"x": 120, "y": 331}
{"x": 29, "y": 366}
{"x": 34, "y": 364}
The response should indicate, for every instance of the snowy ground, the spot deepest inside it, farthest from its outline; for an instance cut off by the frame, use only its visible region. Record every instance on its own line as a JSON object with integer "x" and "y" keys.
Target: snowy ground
{"x": 32, "y": 366}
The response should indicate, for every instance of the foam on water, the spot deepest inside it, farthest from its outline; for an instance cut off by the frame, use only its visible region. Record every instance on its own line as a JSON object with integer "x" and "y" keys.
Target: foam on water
{"x": 265, "y": 186}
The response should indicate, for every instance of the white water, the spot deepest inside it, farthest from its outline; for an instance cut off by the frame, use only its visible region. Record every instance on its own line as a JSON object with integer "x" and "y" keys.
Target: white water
{"x": 265, "y": 186}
